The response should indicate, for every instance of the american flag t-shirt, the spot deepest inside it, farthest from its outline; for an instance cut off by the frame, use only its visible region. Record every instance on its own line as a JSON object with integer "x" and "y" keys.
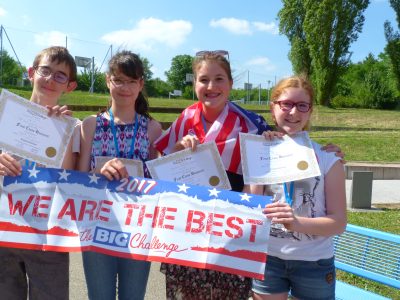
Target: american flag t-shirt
{"x": 224, "y": 131}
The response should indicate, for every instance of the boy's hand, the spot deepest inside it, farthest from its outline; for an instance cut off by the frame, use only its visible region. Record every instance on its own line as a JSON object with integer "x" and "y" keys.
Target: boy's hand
{"x": 9, "y": 166}
{"x": 59, "y": 110}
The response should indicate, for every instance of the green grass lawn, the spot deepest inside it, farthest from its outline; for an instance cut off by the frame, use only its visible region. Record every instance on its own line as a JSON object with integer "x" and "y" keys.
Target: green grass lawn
{"x": 368, "y": 135}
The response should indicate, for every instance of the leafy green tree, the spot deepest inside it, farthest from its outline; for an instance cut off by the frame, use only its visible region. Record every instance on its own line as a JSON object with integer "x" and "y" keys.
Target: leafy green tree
{"x": 291, "y": 19}
{"x": 367, "y": 84}
{"x": 320, "y": 33}
{"x": 180, "y": 66}
{"x": 84, "y": 80}
{"x": 158, "y": 88}
{"x": 393, "y": 42}
{"x": 148, "y": 74}
{"x": 11, "y": 71}
{"x": 330, "y": 27}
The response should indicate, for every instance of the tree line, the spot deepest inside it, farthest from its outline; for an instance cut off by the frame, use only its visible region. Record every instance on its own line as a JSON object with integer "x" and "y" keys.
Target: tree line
{"x": 320, "y": 34}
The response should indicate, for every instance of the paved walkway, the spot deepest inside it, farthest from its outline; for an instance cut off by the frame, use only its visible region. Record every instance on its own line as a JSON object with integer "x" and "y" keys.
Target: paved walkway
{"x": 383, "y": 192}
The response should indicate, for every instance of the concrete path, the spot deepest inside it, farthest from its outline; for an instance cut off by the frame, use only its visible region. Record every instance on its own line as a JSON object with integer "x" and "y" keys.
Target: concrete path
{"x": 383, "y": 191}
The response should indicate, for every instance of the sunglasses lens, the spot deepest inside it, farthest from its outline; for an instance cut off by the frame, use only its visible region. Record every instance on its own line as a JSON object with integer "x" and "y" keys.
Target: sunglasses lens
{"x": 215, "y": 52}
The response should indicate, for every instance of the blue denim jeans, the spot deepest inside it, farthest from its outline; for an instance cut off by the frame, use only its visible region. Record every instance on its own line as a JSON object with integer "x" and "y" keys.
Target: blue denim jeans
{"x": 303, "y": 279}
{"x": 102, "y": 273}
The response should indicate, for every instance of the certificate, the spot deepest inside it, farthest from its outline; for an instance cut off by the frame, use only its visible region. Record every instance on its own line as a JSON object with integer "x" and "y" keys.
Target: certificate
{"x": 200, "y": 167}
{"x": 27, "y": 131}
{"x": 133, "y": 166}
{"x": 280, "y": 160}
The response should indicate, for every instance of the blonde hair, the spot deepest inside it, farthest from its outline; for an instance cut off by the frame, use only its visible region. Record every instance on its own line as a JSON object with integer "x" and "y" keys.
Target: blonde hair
{"x": 295, "y": 81}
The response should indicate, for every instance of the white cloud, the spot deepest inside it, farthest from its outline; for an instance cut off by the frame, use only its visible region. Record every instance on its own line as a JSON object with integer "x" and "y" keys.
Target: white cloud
{"x": 244, "y": 27}
{"x": 266, "y": 27}
{"x": 3, "y": 12}
{"x": 51, "y": 38}
{"x": 236, "y": 26}
{"x": 150, "y": 32}
{"x": 261, "y": 62}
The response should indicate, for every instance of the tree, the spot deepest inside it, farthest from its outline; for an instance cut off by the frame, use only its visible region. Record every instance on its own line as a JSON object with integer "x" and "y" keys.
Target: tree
{"x": 330, "y": 27}
{"x": 393, "y": 42}
{"x": 157, "y": 88}
{"x": 148, "y": 74}
{"x": 320, "y": 33}
{"x": 11, "y": 70}
{"x": 84, "y": 80}
{"x": 180, "y": 66}
{"x": 291, "y": 19}
{"x": 367, "y": 84}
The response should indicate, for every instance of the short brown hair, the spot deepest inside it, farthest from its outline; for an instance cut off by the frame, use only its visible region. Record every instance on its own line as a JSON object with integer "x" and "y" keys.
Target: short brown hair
{"x": 60, "y": 55}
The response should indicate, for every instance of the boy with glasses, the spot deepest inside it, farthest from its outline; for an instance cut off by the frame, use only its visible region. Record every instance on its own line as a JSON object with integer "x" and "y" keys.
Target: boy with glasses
{"x": 44, "y": 274}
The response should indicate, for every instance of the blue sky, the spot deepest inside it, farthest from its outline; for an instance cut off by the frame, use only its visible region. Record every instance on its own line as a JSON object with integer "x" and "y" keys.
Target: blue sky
{"x": 162, "y": 29}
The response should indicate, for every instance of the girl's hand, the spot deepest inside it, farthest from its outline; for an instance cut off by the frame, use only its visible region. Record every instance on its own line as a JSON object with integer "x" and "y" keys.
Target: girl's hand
{"x": 9, "y": 166}
{"x": 281, "y": 213}
{"x": 334, "y": 148}
{"x": 188, "y": 141}
{"x": 59, "y": 110}
{"x": 270, "y": 135}
{"x": 114, "y": 169}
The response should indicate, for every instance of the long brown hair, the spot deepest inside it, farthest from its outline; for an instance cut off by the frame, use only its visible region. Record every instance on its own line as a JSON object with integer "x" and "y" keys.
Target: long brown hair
{"x": 130, "y": 64}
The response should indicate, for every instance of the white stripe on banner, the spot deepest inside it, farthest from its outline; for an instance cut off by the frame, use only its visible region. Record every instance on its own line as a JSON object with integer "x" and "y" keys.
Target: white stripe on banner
{"x": 60, "y": 210}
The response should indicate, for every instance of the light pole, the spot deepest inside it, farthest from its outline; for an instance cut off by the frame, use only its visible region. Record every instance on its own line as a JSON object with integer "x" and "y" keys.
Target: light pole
{"x": 269, "y": 89}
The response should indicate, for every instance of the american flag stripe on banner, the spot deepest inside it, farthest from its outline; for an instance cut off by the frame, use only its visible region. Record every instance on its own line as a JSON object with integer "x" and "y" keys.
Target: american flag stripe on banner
{"x": 66, "y": 211}
{"x": 224, "y": 131}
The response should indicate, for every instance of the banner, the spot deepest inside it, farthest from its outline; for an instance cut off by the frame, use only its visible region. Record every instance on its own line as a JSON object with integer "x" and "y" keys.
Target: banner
{"x": 62, "y": 210}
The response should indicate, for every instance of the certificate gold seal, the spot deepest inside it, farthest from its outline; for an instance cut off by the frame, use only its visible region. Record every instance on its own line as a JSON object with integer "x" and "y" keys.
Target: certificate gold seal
{"x": 214, "y": 180}
{"x": 51, "y": 152}
{"x": 302, "y": 165}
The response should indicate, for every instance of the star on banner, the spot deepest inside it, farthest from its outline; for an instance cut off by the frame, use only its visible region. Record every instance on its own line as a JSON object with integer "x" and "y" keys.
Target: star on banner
{"x": 64, "y": 175}
{"x": 245, "y": 197}
{"x": 214, "y": 192}
{"x": 33, "y": 172}
{"x": 93, "y": 178}
{"x": 183, "y": 188}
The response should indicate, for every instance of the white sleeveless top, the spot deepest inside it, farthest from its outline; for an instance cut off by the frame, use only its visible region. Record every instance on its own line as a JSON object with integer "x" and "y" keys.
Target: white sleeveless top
{"x": 308, "y": 201}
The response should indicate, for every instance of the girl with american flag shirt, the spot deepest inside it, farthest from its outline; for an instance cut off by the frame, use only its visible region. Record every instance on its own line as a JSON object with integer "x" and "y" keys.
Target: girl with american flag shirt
{"x": 212, "y": 118}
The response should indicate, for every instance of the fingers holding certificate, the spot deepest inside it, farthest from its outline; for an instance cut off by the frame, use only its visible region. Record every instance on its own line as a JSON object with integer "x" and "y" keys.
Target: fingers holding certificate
{"x": 200, "y": 167}
{"x": 28, "y": 131}
{"x": 285, "y": 159}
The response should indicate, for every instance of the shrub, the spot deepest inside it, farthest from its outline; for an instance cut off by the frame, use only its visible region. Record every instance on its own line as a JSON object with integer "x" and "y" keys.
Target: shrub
{"x": 341, "y": 101}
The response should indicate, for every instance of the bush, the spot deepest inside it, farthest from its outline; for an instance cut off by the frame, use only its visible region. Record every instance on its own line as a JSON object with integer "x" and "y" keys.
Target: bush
{"x": 341, "y": 101}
